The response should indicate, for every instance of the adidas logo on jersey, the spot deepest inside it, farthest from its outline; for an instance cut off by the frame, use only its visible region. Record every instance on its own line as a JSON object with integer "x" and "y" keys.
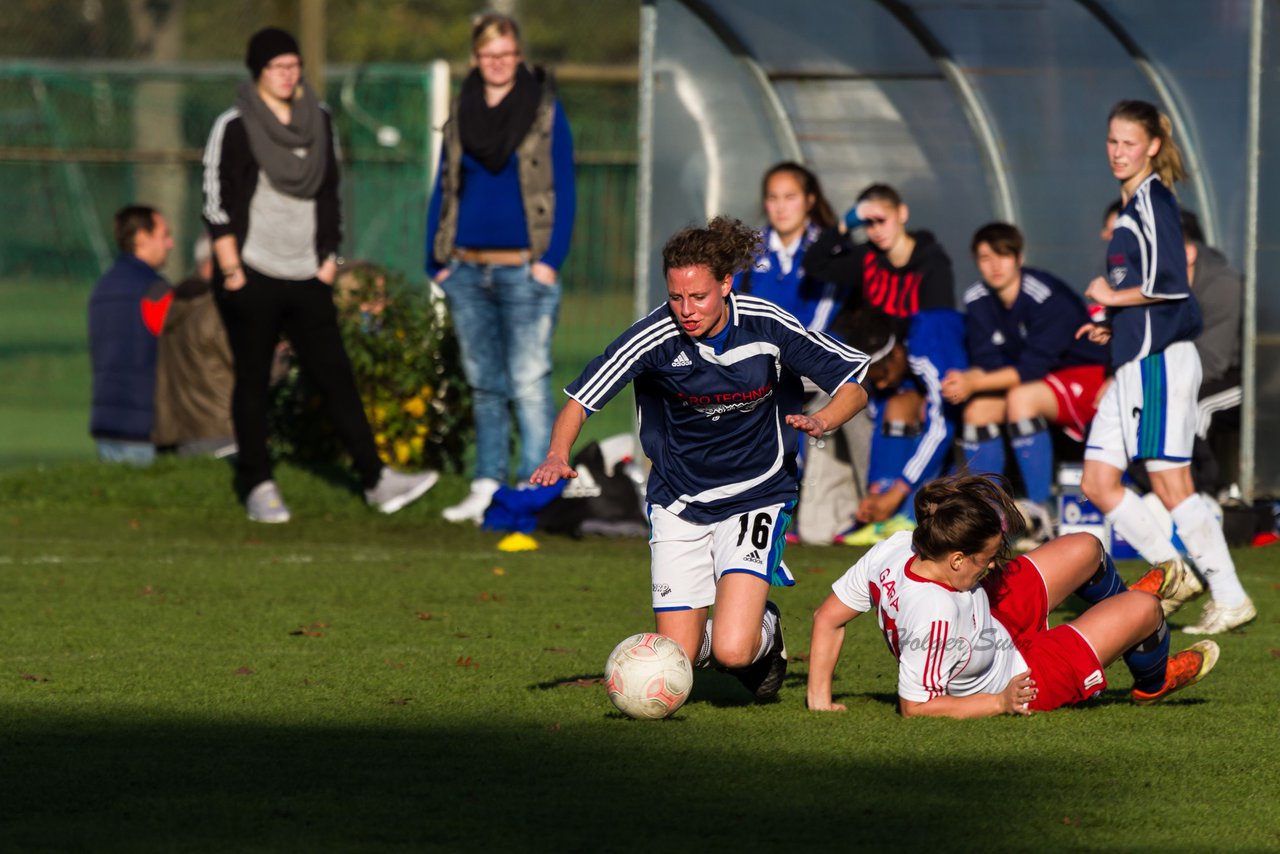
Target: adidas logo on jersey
{"x": 754, "y": 557}
{"x": 681, "y": 361}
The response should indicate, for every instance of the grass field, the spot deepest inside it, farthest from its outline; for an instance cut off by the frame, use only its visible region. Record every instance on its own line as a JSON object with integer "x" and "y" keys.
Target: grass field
{"x": 173, "y": 677}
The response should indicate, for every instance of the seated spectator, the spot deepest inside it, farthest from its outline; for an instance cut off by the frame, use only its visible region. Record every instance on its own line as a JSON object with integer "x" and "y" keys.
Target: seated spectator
{"x": 910, "y": 443}
{"x": 126, "y": 314}
{"x": 1028, "y": 370}
{"x": 798, "y": 212}
{"x": 194, "y": 371}
{"x": 897, "y": 271}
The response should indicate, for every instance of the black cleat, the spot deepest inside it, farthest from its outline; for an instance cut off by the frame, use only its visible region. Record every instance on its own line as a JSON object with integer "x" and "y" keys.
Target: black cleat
{"x": 764, "y": 678}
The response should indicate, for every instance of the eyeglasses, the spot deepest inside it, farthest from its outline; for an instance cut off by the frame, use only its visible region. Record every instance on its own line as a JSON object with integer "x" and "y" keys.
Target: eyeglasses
{"x": 498, "y": 57}
{"x": 283, "y": 66}
{"x": 875, "y": 220}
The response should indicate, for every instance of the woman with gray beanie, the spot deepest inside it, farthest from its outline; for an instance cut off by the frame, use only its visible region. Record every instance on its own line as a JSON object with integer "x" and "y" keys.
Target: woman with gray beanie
{"x": 271, "y": 206}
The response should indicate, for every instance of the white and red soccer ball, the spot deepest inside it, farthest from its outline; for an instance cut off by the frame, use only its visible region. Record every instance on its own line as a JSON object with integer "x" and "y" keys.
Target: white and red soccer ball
{"x": 648, "y": 676}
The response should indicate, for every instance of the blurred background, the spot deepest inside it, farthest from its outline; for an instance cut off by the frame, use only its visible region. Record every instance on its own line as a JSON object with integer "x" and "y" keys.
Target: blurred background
{"x": 104, "y": 102}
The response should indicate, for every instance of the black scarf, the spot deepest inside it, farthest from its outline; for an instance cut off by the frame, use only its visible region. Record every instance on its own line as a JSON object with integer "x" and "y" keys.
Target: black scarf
{"x": 491, "y": 134}
{"x": 292, "y": 155}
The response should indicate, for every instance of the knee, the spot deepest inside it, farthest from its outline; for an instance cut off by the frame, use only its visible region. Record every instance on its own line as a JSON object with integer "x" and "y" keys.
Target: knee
{"x": 1096, "y": 485}
{"x": 1086, "y": 548}
{"x": 732, "y": 654}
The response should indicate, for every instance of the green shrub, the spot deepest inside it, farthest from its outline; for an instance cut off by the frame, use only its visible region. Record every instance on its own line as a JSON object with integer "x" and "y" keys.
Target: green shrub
{"x": 408, "y": 371}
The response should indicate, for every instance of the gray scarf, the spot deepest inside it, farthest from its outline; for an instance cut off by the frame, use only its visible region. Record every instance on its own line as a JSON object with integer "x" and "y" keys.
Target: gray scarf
{"x": 276, "y": 146}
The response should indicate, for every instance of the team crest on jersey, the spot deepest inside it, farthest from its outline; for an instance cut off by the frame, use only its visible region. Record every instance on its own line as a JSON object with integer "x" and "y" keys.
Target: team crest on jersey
{"x": 682, "y": 360}
{"x": 764, "y": 265}
{"x": 997, "y": 338}
{"x": 1118, "y": 274}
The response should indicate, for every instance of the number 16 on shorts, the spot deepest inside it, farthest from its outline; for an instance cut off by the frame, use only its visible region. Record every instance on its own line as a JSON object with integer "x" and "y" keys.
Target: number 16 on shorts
{"x": 689, "y": 558}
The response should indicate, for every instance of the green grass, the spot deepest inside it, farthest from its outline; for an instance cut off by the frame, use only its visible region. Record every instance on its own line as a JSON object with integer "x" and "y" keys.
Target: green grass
{"x": 173, "y": 677}
{"x": 44, "y": 367}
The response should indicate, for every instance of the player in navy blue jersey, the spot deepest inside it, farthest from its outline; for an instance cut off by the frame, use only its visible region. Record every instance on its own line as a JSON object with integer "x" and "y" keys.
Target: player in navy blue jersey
{"x": 718, "y": 389}
{"x": 1028, "y": 369}
{"x": 1149, "y": 413}
{"x": 798, "y": 212}
{"x": 909, "y": 445}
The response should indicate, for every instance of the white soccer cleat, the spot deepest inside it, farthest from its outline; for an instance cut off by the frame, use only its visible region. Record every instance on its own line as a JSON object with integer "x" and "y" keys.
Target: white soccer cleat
{"x": 264, "y": 504}
{"x": 394, "y": 490}
{"x": 471, "y": 508}
{"x": 1217, "y": 619}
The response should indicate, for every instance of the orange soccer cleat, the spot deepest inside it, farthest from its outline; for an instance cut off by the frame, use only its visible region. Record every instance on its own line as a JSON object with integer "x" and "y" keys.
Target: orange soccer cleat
{"x": 1186, "y": 668}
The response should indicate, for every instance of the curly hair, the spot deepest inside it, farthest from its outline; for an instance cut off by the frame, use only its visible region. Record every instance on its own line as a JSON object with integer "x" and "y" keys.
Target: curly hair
{"x": 961, "y": 513}
{"x": 724, "y": 246}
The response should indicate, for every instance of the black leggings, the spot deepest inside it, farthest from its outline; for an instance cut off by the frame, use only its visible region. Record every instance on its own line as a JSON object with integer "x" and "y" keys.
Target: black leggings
{"x": 255, "y": 317}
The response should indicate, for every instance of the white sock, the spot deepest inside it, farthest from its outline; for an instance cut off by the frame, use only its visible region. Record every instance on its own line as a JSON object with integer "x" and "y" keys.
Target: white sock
{"x": 767, "y": 626}
{"x": 1207, "y": 546}
{"x": 1136, "y": 524}
{"x": 704, "y": 651}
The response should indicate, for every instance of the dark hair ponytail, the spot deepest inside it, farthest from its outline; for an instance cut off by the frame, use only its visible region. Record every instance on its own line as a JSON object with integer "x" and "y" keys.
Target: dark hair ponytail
{"x": 821, "y": 213}
{"x": 961, "y": 513}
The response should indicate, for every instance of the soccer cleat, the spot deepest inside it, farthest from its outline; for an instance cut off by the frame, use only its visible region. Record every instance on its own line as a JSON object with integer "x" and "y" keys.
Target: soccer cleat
{"x": 1037, "y": 524}
{"x": 1217, "y": 619}
{"x": 1173, "y": 582}
{"x": 264, "y": 504}
{"x": 896, "y": 524}
{"x": 394, "y": 490}
{"x": 867, "y": 535}
{"x": 1186, "y": 668}
{"x": 471, "y": 508}
{"x": 764, "y": 678}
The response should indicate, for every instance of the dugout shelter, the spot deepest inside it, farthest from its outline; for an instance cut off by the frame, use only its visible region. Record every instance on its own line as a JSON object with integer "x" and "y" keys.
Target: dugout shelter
{"x": 975, "y": 110}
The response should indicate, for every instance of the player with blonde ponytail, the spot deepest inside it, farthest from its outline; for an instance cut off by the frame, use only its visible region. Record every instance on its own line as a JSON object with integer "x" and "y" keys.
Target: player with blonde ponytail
{"x": 1149, "y": 413}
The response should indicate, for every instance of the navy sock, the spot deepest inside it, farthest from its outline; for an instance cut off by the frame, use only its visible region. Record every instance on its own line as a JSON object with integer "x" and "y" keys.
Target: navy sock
{"x": 1106, "y": 582}
{"x": 1148, "y": 660}
{"x": 983, "y": 449}
{"x": 1033, "y": 448}
{"x": 890, "y": 451}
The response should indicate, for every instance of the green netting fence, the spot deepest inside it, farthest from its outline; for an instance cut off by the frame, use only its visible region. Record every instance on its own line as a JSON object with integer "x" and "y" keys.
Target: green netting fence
{"x": 79, "y": 141}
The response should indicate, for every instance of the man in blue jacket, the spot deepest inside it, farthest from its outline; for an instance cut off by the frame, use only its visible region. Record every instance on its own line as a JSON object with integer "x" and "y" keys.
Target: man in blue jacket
{"x": 126, "y": 313}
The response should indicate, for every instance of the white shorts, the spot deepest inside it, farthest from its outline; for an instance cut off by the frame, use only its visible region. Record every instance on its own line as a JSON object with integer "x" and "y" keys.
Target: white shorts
{"x": 688, "y": 558}
{"x": 1150, "y": 411}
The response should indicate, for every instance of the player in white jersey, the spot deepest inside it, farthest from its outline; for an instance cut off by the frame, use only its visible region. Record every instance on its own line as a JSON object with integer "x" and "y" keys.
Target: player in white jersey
{"x": 1151, "y": 410}
{"x": 717, "y": 384}
{"x": 970, "y": 630}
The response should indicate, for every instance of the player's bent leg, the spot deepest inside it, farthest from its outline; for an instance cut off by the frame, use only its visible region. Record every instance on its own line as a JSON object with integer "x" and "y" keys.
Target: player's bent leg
{"x": 1075, "y": 563}
{"x": 1118, "y": 624}
{"x": 1032, "y": 400}
{"x": 1124, "y": 510}
{"x": 688, "y": 627}
{"x": 740, "y": 601}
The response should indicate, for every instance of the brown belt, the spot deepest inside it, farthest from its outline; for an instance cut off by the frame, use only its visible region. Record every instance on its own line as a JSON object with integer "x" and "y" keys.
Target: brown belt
{"x": 498, "y": 257}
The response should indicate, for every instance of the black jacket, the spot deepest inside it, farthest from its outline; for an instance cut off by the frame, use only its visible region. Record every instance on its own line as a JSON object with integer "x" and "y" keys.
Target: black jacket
{"x": 924, "y": 282}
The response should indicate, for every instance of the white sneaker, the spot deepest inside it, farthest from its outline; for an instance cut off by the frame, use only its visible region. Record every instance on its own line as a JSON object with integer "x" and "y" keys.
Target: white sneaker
{"x": 395, "y": 491}
{"x": 1217, "y": 619}
{"x": 264, "y": 504}
{"x": 471, "y": 508}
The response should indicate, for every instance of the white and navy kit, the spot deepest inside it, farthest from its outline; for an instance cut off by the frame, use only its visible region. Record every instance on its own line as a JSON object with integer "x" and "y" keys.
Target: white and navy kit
{"x": 712, "y": 422}
{"x": 1036, "y": 335}
{"x": 1147, "y": 251}
{"x": 946, "y": 640}
{"x": 1150, "y": 411}
{"x": 935, "y": 345}
{"x": 778, "y": 275}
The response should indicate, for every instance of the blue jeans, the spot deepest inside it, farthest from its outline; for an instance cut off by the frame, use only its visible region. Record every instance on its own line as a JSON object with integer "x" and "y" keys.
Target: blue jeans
{"x": 504, "y": 321}
{"x": 125, "y": 451}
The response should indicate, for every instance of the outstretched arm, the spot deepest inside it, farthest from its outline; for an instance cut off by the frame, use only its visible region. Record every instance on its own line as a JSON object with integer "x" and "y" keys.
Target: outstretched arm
{"x": 824, "y": 651}
{"x": 565, "y": 432}
{"x": 848, "y": 401}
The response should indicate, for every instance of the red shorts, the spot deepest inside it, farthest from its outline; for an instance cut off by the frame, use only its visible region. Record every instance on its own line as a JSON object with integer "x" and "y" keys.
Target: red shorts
{"x": 1064, "y": 666}
{"x": 1076, "y": 391}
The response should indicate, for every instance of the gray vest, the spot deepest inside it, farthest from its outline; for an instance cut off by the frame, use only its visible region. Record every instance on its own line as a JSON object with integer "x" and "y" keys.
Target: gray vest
{"x": 537, "y": 185}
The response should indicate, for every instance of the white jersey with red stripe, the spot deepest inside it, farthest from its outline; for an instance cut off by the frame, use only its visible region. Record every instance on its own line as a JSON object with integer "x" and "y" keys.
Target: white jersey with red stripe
{"x": 945, "y": 640}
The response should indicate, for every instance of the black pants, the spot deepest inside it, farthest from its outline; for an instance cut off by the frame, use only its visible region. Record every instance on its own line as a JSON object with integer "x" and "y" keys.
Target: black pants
{"x": 255, "y": 317}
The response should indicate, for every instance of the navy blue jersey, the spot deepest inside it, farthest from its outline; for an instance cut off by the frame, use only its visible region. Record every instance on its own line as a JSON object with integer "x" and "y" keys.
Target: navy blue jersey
{"x": 713, "y": 423}
{"x": 1146, "y": 251}
{"x": 813, "y": 303}
{"x": 1036, "y": 335}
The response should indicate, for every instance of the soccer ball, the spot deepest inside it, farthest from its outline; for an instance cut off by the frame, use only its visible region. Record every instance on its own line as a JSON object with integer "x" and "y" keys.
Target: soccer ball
{"x": 648, "y": 676}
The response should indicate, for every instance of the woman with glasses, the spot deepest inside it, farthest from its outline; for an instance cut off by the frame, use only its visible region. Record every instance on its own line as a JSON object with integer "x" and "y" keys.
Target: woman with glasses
{"x": 969, "y": 627}
{"x": 897, "y": 271}
{"x": 498, "y": 230}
